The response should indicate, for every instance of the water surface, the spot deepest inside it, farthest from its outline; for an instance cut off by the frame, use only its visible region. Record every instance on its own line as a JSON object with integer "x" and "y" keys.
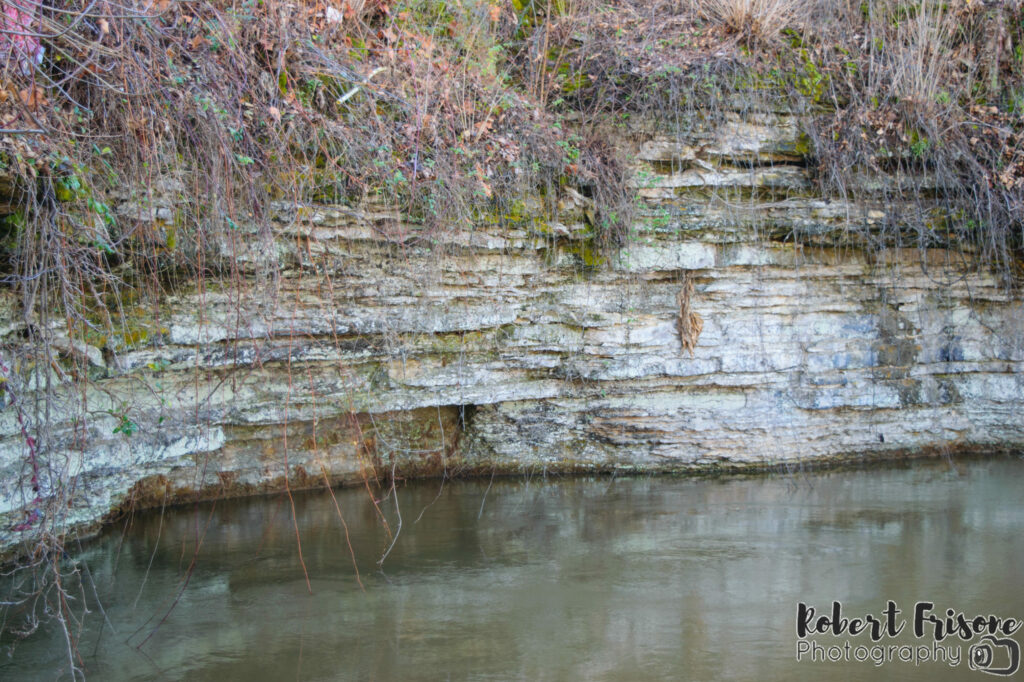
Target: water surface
{"x": 557, "y": 579}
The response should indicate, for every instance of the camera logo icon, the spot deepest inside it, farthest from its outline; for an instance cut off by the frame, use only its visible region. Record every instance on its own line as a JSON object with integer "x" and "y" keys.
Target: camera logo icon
{"x": 987, "y": 656}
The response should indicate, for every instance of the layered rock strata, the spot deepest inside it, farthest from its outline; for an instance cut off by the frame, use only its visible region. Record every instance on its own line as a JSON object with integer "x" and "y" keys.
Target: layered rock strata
{"x": 737, "y": 327}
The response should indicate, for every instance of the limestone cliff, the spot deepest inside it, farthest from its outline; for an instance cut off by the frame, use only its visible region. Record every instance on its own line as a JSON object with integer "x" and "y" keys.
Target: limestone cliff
{"x": 736, "y": 327}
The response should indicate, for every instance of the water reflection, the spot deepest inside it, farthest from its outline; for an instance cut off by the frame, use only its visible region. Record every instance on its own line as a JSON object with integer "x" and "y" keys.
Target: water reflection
{"x": 600, "y": 579}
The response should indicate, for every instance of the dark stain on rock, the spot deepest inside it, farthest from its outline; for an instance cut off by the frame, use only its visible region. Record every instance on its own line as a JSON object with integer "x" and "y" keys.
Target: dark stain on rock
{"x": 951, "y": 351}
{"x": 896, "y": 349}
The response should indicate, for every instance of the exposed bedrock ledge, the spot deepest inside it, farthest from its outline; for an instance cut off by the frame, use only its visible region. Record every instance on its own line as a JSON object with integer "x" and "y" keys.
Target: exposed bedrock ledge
{"x": 348, "y": 354}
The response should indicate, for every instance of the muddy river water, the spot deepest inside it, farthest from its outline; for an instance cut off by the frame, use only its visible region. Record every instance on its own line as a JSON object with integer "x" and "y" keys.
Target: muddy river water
{"x": 558, "y": 579}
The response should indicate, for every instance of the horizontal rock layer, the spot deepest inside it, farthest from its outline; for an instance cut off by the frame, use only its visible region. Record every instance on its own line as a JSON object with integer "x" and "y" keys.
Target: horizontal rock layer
{"x": 352, "y": 346}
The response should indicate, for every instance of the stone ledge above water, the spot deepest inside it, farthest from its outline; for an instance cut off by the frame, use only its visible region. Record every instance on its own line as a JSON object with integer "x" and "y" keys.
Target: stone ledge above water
{"x": 346, "y": 353}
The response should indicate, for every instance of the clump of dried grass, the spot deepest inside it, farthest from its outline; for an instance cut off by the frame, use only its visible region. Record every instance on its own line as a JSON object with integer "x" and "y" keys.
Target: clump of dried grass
{"x": 689, "y": 323}
{"x": 753, "y": 21}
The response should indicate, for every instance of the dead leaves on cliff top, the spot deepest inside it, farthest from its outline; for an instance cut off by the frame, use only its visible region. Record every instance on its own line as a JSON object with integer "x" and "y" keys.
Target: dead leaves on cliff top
{"x": 646, "y": 38}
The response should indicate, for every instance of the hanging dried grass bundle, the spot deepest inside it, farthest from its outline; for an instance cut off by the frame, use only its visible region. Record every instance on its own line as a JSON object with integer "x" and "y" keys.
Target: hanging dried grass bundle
{"x": 689, "y": 323}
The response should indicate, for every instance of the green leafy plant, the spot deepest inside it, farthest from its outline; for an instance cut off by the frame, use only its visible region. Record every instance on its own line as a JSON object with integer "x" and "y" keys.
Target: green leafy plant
{"x": 125, "y": 426}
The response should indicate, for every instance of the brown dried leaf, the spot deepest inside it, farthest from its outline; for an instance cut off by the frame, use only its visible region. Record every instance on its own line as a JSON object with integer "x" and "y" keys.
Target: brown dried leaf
{"x": 32, "y": 97}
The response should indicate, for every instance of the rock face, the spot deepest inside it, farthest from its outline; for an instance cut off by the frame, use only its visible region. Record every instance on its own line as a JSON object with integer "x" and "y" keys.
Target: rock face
{"x": 351, "y": 345}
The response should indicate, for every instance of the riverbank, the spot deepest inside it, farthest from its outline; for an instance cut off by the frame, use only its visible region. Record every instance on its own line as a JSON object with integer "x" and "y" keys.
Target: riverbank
{"x": 448, "y": 240}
